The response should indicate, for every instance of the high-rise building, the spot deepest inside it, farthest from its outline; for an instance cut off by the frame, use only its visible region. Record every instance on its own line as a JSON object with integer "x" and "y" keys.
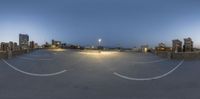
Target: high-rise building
{"x": 23, "y": 41}
{"x": 176, "y": 46}
{"x": 188, "y": 45}
{"x": 32, "y": 44}
{"x": 15, "y": 46}
{"x": 56, "y": 43}
{"x": 4, "y": 46}
{"x": 11, "y": 46}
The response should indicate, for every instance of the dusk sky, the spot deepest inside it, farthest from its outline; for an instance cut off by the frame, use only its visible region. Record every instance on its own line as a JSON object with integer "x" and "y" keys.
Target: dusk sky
{"x": 126, "y": 22}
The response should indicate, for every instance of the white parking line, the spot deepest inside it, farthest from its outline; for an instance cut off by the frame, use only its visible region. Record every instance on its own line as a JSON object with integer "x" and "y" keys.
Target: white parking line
{"x": 33, "y": 74}
{"x": 150, "y": 78}
{"x": 39, "y": 55}
{"x": 26, "y": 58}
{"x": 155, "y": 61}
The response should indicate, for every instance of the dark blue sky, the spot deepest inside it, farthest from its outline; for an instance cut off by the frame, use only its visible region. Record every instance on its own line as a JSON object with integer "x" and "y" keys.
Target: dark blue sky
{"x": 125, "y": 22}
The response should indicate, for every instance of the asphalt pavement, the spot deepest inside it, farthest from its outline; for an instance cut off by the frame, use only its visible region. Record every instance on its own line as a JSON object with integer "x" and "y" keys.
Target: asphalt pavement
{"x": 73, "y": 74}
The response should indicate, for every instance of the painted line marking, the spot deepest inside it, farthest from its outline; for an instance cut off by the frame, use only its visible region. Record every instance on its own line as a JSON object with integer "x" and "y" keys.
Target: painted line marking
{"x": 155, "y": 61}
{"x": 150, "y": 78}
{"x": 36, "y": 55}
{"x": 26, "y": 58}
{"x": 33, "y": 74}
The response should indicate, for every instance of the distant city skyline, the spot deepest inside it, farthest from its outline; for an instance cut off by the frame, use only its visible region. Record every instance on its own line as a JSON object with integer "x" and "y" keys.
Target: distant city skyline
{"x": 127, "y": 23}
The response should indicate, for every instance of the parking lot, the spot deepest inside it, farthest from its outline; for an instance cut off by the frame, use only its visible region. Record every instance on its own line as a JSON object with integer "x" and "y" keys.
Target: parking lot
{"x": 72, "y": 74}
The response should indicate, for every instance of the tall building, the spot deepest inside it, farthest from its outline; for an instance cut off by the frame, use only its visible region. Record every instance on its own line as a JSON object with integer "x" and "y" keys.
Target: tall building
{"x": 176, "y": 46}
{"x": 188, "y": 45}
{"x": 4, "y": 46}
{"x": 15, "y": 46}
{"x": 23, "y": 41}
{"x": 32, "y": 44}
{"x": 57, "y": 44}
{"x": 11, "y": 46}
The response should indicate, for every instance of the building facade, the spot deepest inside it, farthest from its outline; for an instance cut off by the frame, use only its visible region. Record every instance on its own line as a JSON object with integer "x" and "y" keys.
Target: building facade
{"x": 188, "y": 45}
{"x": 4, "y": 46}
{"x": 176, "y": 46}
{"x": 56, "y": 44}
{"x": 11, "y": 46}
{"x": 145, "y": 48}
{"x": 15, "y": 46}
{"x": 23, "y": 41}
{"x": 32, "y": 44}
{"x": 162, "y": 47}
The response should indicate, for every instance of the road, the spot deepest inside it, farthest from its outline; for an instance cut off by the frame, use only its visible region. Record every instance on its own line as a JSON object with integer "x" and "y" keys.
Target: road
{"x": 71, "y": 74}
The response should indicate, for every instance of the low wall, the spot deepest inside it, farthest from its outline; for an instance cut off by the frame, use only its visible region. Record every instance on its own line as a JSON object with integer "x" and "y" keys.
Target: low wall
{"x": 3, "y": 55}
{"x": 15, "y": 53}
{"x": 164, "y": 54}
{"x": 180, "y": 55}
{"x": 186, "y": 55}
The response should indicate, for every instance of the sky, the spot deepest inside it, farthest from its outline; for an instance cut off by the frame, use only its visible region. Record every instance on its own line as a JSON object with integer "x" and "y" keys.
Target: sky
{"x": 127, "y": 23}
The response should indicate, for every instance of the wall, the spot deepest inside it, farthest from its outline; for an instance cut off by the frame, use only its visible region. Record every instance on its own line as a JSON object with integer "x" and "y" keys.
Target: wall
{"x": 3, "y": 55}
{"x": 186, "y": 55}
{"x": 180, "y": 55}
{"x": 15, "y": 53}
{"x": 164, "y": 54}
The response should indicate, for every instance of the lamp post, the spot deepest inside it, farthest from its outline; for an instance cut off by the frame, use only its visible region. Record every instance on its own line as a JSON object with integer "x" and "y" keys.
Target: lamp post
{"x": 99, "y": 41}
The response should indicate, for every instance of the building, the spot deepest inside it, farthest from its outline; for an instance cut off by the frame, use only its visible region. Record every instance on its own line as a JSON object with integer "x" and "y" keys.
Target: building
{"x": 36, "y": 45}
{"x": 56, "y": 44}
{"x": 11, "y": 46}
{"x": 176, "y": 46}
{"x": 144, "y": 48}
{"x": 32, "y": 45}
{"x": 135, "y": 49}
{"x": 15, "y": 46}
{"x": 4, "y": 46}
{"x": 23, "y": 41}
{"x": 46, "y": 45}
{"x": 162, "y": 47}
{"x": 63, "y": 45}
{"x": 188, "y": 45}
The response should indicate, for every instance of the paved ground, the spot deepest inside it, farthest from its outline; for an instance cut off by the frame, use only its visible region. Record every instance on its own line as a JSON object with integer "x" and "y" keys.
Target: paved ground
{"x": 69, "y": 74}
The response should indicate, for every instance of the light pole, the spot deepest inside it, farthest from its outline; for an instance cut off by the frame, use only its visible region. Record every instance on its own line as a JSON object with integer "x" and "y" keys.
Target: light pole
{"x": 99, "y": 41}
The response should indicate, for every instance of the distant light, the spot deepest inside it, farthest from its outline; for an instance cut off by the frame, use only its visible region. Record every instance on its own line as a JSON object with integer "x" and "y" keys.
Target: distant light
{"x": 145, "y": 49}
{"x": 57, "y": 50}
{"x": 97, "y": 53}
{"x": 100, "y": 40}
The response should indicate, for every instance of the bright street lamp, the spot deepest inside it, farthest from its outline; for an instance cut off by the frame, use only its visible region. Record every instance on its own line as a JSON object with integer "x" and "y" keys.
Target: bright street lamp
{"x": 99, "y": 40}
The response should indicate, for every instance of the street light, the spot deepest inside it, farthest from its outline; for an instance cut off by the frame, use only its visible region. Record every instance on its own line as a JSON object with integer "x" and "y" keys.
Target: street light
{"x": 99, "y": 40}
